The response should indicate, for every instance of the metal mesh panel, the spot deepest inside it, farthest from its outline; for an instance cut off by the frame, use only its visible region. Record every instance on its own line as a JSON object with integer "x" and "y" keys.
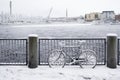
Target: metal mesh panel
{"x": 13, "y": 51}
{"x": 96, "y": 44}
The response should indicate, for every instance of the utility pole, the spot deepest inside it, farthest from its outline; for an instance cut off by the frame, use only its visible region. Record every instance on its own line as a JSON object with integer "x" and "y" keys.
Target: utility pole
{"x": 2, "y": 17}
{"x": 66, "y": 13}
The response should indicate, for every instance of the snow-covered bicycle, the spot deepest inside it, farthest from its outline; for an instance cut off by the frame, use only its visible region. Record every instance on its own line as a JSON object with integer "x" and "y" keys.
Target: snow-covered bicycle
{"x": 59, "y": 57}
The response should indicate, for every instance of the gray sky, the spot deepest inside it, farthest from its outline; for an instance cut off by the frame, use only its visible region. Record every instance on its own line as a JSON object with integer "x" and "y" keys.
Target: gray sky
{"x": 74, "y": 7}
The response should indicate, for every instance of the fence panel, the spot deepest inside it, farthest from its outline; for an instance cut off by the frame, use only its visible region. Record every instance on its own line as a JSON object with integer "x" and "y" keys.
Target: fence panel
{"x": 96, "y": 44}
{"x": 13, "y": 51}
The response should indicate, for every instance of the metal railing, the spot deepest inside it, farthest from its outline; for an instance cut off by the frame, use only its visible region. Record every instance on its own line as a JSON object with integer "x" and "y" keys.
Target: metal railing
{"x": 96, "y": 44}
{"x": 13, "y": 51}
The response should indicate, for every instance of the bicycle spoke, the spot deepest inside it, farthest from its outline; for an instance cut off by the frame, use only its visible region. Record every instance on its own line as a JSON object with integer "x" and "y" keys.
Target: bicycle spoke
{"x": 90, "y": 58}
{"x": 56, "y": 58}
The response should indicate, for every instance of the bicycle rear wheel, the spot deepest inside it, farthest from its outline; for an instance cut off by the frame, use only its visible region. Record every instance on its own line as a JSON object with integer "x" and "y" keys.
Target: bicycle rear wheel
{"x": 56, "y": 58}
{"x": 88, "y": 59}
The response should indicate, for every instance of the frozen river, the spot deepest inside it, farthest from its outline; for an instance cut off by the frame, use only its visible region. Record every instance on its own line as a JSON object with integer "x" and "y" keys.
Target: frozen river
{"x": 58, "y": 30}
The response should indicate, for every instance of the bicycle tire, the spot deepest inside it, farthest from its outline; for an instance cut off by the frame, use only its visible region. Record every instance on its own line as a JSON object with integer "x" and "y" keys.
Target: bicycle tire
{"x": 89, "y": 59}
{"x": 56, "y": 58}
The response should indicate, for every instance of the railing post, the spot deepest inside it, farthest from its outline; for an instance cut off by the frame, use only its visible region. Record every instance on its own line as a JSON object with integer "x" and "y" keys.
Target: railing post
{"x": 32, "y": 51}
{"x": 112, "y": 50}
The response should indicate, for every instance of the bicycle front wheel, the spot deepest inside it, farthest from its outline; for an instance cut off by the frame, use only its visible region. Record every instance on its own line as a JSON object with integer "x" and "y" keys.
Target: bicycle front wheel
{"x": 56, "y": 58}
{"x": 88, "y": 59}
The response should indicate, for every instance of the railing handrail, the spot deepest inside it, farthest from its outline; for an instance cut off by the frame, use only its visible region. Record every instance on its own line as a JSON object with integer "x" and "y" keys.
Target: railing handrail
{"x": 13, "y": 39}
{"x": 70, "y": 38}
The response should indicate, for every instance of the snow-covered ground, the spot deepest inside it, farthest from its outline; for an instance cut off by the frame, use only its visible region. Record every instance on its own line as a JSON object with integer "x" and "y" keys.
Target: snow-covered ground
{"x": 67, "y": 73}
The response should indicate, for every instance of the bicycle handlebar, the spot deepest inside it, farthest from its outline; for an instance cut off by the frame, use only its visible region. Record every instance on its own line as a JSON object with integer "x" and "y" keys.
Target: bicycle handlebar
{"x": 74, "y": 44}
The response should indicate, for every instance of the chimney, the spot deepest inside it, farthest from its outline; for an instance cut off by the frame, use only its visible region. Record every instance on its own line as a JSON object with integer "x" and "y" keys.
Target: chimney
{"x": 10, "y": 7}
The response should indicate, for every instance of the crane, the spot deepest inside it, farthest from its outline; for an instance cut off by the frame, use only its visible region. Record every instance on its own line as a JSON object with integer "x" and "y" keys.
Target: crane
{"x": 49, "y": 15}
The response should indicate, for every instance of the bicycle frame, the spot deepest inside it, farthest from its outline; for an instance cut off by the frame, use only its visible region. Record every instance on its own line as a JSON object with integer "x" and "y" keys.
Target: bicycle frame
{"x": 75, "y": 59}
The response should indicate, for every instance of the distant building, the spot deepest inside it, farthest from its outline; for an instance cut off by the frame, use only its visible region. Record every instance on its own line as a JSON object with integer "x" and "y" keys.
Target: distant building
{"x": 108, "y": 16}
{"x": 117, "y": 17}
{"x": 92, "y": 16}
{"x": 4, "y": 18}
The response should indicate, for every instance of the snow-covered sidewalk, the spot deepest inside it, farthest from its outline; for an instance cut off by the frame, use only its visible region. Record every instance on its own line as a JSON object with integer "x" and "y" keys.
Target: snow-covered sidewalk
{"x": 67, "y": 73}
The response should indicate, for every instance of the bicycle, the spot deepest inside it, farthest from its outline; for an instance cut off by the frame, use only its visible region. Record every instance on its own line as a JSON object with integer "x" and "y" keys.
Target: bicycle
{"x": 85, "y": 58}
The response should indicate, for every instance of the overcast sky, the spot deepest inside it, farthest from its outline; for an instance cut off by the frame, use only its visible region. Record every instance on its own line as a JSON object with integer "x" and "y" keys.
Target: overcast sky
{"x": 74, "y": 7}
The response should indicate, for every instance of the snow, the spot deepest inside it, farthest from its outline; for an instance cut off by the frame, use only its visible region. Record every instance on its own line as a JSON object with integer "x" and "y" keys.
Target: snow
{"x": 33, "y": 35}
{"x": 67, "y": 73}
{"x": 111, "y": 34}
